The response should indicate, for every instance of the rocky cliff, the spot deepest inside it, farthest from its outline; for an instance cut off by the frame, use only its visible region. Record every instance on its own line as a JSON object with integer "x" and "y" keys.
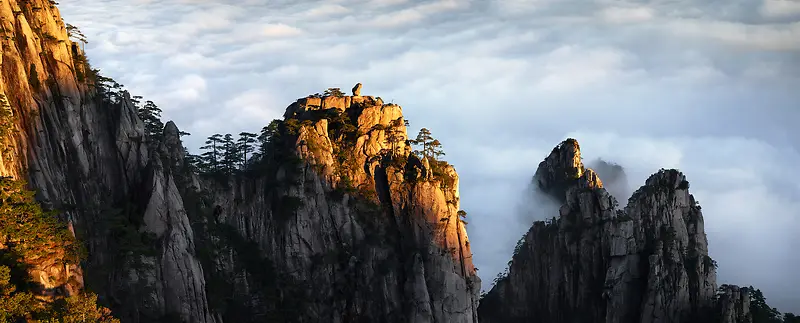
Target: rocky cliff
{"x": 336, "y": 222}
{"x": 358, "y": 228}
{"x": 83, "y": 148}
{"x": 596, "y": 262}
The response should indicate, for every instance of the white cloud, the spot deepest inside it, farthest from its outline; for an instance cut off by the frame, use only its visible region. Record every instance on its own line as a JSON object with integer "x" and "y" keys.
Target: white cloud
{"x": 568, "y": 68}
{"x": 756, "y": 37}
{"x": 218, "y": 17}
{"x": 324, "y": 10}
{"x": 417, "y": 13}
{"x": 251, "y": 105}
{"x": 518, "y": 7}
{"x": 622, "y": 15}
{"x": 780, "y": 8}
{"x": 188, "y": 88}
{"x": 280, "y": 30}
{"x": 193, "y": 61}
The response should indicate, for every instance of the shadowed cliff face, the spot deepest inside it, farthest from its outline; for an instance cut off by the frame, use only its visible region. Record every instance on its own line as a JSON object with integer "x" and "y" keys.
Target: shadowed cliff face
{"x": 338, "y": 222}
{"x": 84, "y": 150}
{"x": 373, "y": 232}
{"x": 595, "y": 262}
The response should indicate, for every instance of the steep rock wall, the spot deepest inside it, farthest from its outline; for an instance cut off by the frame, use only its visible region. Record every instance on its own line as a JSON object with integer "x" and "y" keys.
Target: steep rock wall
{"x": 375, "y": 235}
{"x": 594, "y": 262}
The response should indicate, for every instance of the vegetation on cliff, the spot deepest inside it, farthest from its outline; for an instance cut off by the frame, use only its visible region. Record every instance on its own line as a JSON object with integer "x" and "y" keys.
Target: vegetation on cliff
{"x": 30, "y": 236}
{"x": 763, "y": 313}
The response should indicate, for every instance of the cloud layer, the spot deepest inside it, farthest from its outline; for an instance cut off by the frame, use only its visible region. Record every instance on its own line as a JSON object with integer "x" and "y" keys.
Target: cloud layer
{"x": 707, "y": 87}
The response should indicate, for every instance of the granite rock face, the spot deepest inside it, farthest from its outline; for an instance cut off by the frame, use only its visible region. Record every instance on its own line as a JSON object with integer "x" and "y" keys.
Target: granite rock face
{"x": 373, "y": 235}
{"x": 87, "y": 155}
{"x": 341, "y": 225}
{"x": 596, "y": 262}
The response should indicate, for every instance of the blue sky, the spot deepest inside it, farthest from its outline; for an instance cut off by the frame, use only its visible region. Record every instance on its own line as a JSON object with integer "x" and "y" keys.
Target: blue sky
{"x": 709, "y": 87}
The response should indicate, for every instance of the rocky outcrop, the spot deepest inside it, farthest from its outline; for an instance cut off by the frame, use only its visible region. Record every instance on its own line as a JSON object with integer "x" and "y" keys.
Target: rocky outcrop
{"x": 593, "y": 262}
{"x": 733, "y": 305}
{"x": 357, "y": 89}
{"x": 360, "y": 225}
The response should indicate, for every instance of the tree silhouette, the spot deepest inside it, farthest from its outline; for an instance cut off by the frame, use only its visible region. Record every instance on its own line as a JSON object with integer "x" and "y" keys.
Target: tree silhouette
{"x": 334, "y": 91}
{"x": 761, "y": 312}
{"x": 431, "y": 148}
{"x": 394, "y": 135}
{"x": 150, "y": 114}
{"x": 268, "y": 134}
{"x": 109, "y": 90}
{"x": 74, "y": 32}
{"x": 246, "y": 145}
{"x": 791, "y": 318}
{"x": 423, "y": 139}
{"x": 231, "y": 156}
{"x": 210, "y": 158}
{"x": 435, "y": 149}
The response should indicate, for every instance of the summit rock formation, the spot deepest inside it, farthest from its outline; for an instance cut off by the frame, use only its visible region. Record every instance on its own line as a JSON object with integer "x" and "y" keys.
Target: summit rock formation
{"x": 596, "y": 262}
{"x": 335, "y": 221}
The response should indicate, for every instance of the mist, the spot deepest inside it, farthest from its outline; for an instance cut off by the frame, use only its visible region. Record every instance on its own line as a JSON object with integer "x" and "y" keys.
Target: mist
{"x": 535, "y": 205}
{"x": 614, "y": 179}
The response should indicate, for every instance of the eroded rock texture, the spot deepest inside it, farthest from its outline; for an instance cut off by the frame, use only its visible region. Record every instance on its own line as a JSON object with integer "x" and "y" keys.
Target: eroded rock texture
{"x": 594, "y": 262}
{"x": 86, "y": 154}
{"x": 361, "y": 230}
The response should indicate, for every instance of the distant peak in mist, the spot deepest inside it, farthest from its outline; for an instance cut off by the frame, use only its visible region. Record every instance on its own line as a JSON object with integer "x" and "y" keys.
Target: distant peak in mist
{"x": 613, "y": 176}
{"x": 559, "y": 170}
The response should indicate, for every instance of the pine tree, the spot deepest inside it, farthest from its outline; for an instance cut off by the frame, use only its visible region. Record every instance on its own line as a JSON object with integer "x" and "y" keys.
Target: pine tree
{"x": 334, "y": 91}
{"x": 423, "y": 139}
{"x": 195, "y": 161}
{"x": 74, "y": 32}
{"x": 761, "y": 312}
{"x": 151, "y": 116}
{"x": 231, "y": 156}
{"x": 268, "y": 134}
{"x": 28, "y": 233}
{"x": 246, "y": 145}
{"x": 394, "y": 135}
{"x": 435, "y": 149}
{"x": 431, "y": 148}
{"x": 211, "y": 157}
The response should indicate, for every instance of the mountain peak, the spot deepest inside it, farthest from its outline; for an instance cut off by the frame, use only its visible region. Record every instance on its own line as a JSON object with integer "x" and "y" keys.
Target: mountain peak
{"x": 332, "y": 99}
{"x": 672, "y": 178}
{"x": 564, "y": 168}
